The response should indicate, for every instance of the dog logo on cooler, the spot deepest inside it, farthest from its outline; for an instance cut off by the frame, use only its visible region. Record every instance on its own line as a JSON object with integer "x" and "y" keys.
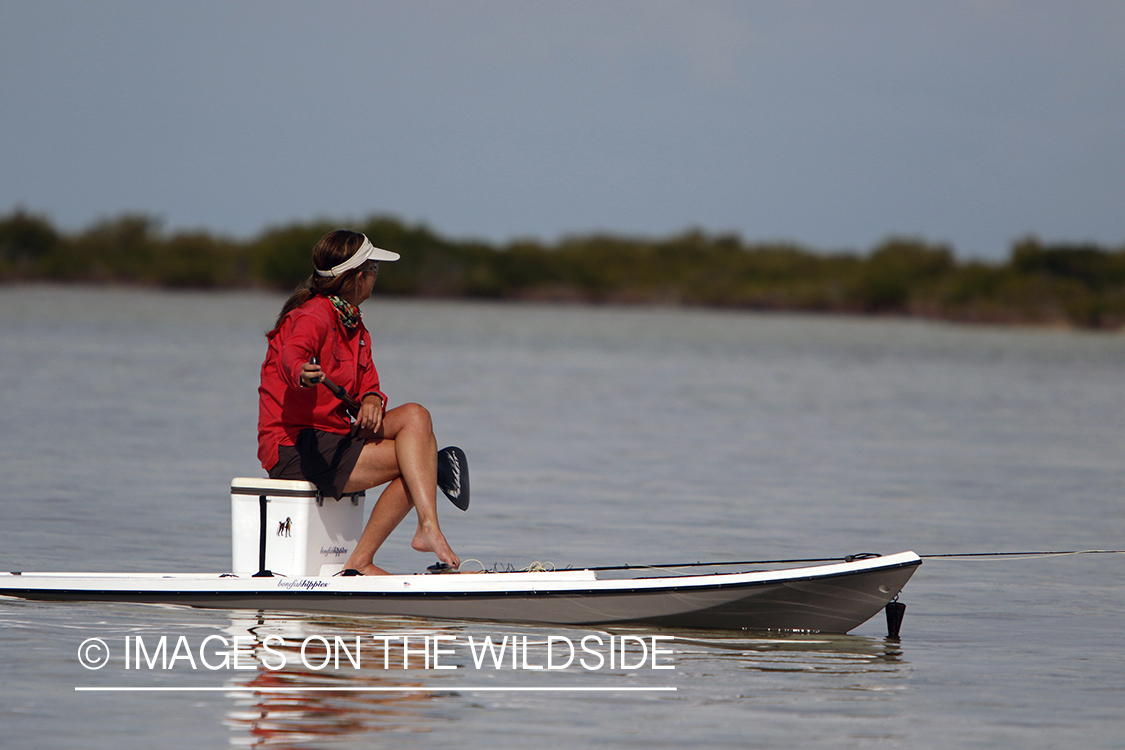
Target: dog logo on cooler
{"x": 284, "y": 527}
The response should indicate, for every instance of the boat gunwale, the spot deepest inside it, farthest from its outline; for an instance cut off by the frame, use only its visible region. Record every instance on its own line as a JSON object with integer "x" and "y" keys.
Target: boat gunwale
{"x": 619, "y": 586}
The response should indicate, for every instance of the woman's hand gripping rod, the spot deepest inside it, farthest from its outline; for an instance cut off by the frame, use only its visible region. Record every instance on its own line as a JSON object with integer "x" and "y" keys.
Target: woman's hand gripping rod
{"x": 453, "y": 464}
{"x": 350, "y": 403}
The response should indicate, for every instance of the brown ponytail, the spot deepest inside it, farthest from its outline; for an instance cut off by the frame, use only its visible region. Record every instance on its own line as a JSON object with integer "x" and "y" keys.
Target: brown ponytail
{"x": 332, "y": 249}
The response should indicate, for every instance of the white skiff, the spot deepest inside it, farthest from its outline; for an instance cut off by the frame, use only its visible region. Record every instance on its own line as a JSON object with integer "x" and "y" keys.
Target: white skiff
{"x": 827, "y": 598}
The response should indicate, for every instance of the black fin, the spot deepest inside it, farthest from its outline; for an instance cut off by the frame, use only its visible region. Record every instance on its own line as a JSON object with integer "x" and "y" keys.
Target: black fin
{"x": 453, "y": 475}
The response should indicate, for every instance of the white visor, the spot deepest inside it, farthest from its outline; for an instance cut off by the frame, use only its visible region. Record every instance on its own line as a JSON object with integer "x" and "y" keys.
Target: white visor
{"x": 366, "y": 252}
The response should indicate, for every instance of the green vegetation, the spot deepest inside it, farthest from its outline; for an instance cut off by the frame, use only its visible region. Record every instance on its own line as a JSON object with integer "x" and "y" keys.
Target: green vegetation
{"x": 1076, "y": 285}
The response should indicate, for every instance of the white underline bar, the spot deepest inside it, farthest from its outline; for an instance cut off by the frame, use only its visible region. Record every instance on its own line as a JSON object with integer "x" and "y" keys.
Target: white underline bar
{"x": 453, "y": 688}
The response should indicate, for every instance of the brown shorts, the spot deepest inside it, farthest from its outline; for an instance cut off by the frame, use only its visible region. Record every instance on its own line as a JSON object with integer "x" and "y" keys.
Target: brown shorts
{"x": 323, "y": 458}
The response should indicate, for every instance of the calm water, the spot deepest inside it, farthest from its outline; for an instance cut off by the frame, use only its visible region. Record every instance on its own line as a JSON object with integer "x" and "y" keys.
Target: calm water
{"x": 596, "y": 436}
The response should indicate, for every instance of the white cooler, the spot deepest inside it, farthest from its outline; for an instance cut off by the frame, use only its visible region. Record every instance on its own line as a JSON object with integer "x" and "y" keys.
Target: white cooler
{"x": 286, "y": 527}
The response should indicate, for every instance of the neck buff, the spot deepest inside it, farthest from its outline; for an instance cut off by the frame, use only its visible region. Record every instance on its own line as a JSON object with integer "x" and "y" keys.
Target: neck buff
{"x": 349, "y": 313}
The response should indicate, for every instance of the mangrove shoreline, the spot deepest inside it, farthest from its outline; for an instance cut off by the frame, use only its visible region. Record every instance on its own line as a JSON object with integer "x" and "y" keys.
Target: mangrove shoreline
{"x": 1075, "y": 285}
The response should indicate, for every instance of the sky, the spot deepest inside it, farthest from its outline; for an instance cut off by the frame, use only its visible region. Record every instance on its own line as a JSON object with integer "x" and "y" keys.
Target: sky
{"x": 833, "y": 124}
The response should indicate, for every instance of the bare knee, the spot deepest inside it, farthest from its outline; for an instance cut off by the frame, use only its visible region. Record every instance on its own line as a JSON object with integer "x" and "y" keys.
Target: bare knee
{"x": 417, "y": 417}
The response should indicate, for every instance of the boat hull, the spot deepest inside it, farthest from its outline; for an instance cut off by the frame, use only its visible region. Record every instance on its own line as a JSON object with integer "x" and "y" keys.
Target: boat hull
{"x": 827, "y": 598}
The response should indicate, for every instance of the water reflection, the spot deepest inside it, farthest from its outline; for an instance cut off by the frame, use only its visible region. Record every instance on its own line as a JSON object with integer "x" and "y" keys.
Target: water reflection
{"x": 794, "y": 652}
{"x": 271, "y": 719}
{"x": 886, "y": 649}
{"x": 303, "y": 702}
{"x": 386, "y": 680}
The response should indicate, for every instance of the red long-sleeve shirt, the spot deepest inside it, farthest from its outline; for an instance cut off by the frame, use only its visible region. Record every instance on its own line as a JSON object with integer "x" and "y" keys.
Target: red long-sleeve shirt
{"x": 284, "y": 406}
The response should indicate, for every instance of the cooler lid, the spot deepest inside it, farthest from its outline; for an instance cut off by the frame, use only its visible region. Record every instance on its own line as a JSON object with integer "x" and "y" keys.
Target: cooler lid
{"x": 272, "y": 487}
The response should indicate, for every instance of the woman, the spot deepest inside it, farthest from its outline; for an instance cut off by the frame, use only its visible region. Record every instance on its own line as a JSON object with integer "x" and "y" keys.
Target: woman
{"x": 303, "y": 430}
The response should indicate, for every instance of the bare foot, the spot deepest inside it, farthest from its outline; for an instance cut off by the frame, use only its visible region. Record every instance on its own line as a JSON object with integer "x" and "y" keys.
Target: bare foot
{"x": 371, "y": 569}
{"x": 368, "y": 568}
{"x": 430, "y": 539}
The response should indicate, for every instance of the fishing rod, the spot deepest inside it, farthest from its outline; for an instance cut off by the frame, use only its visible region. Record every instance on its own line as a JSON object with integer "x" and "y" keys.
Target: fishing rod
{"x": 862, "y": 556}
{"x": 453, "y": 465}
{"x": 349, "y": 402}
{"x": 1059, "y": 553}
{"x": 846, "y": 558}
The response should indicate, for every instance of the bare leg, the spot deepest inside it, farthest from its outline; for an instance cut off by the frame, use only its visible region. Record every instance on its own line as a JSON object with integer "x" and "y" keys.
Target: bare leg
{"x": 391, "y": 507}
{"x": 406, "y": 451}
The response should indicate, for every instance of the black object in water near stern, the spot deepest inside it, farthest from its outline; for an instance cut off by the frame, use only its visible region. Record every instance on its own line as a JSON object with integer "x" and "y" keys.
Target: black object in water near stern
{"x": 895, "y": 612}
